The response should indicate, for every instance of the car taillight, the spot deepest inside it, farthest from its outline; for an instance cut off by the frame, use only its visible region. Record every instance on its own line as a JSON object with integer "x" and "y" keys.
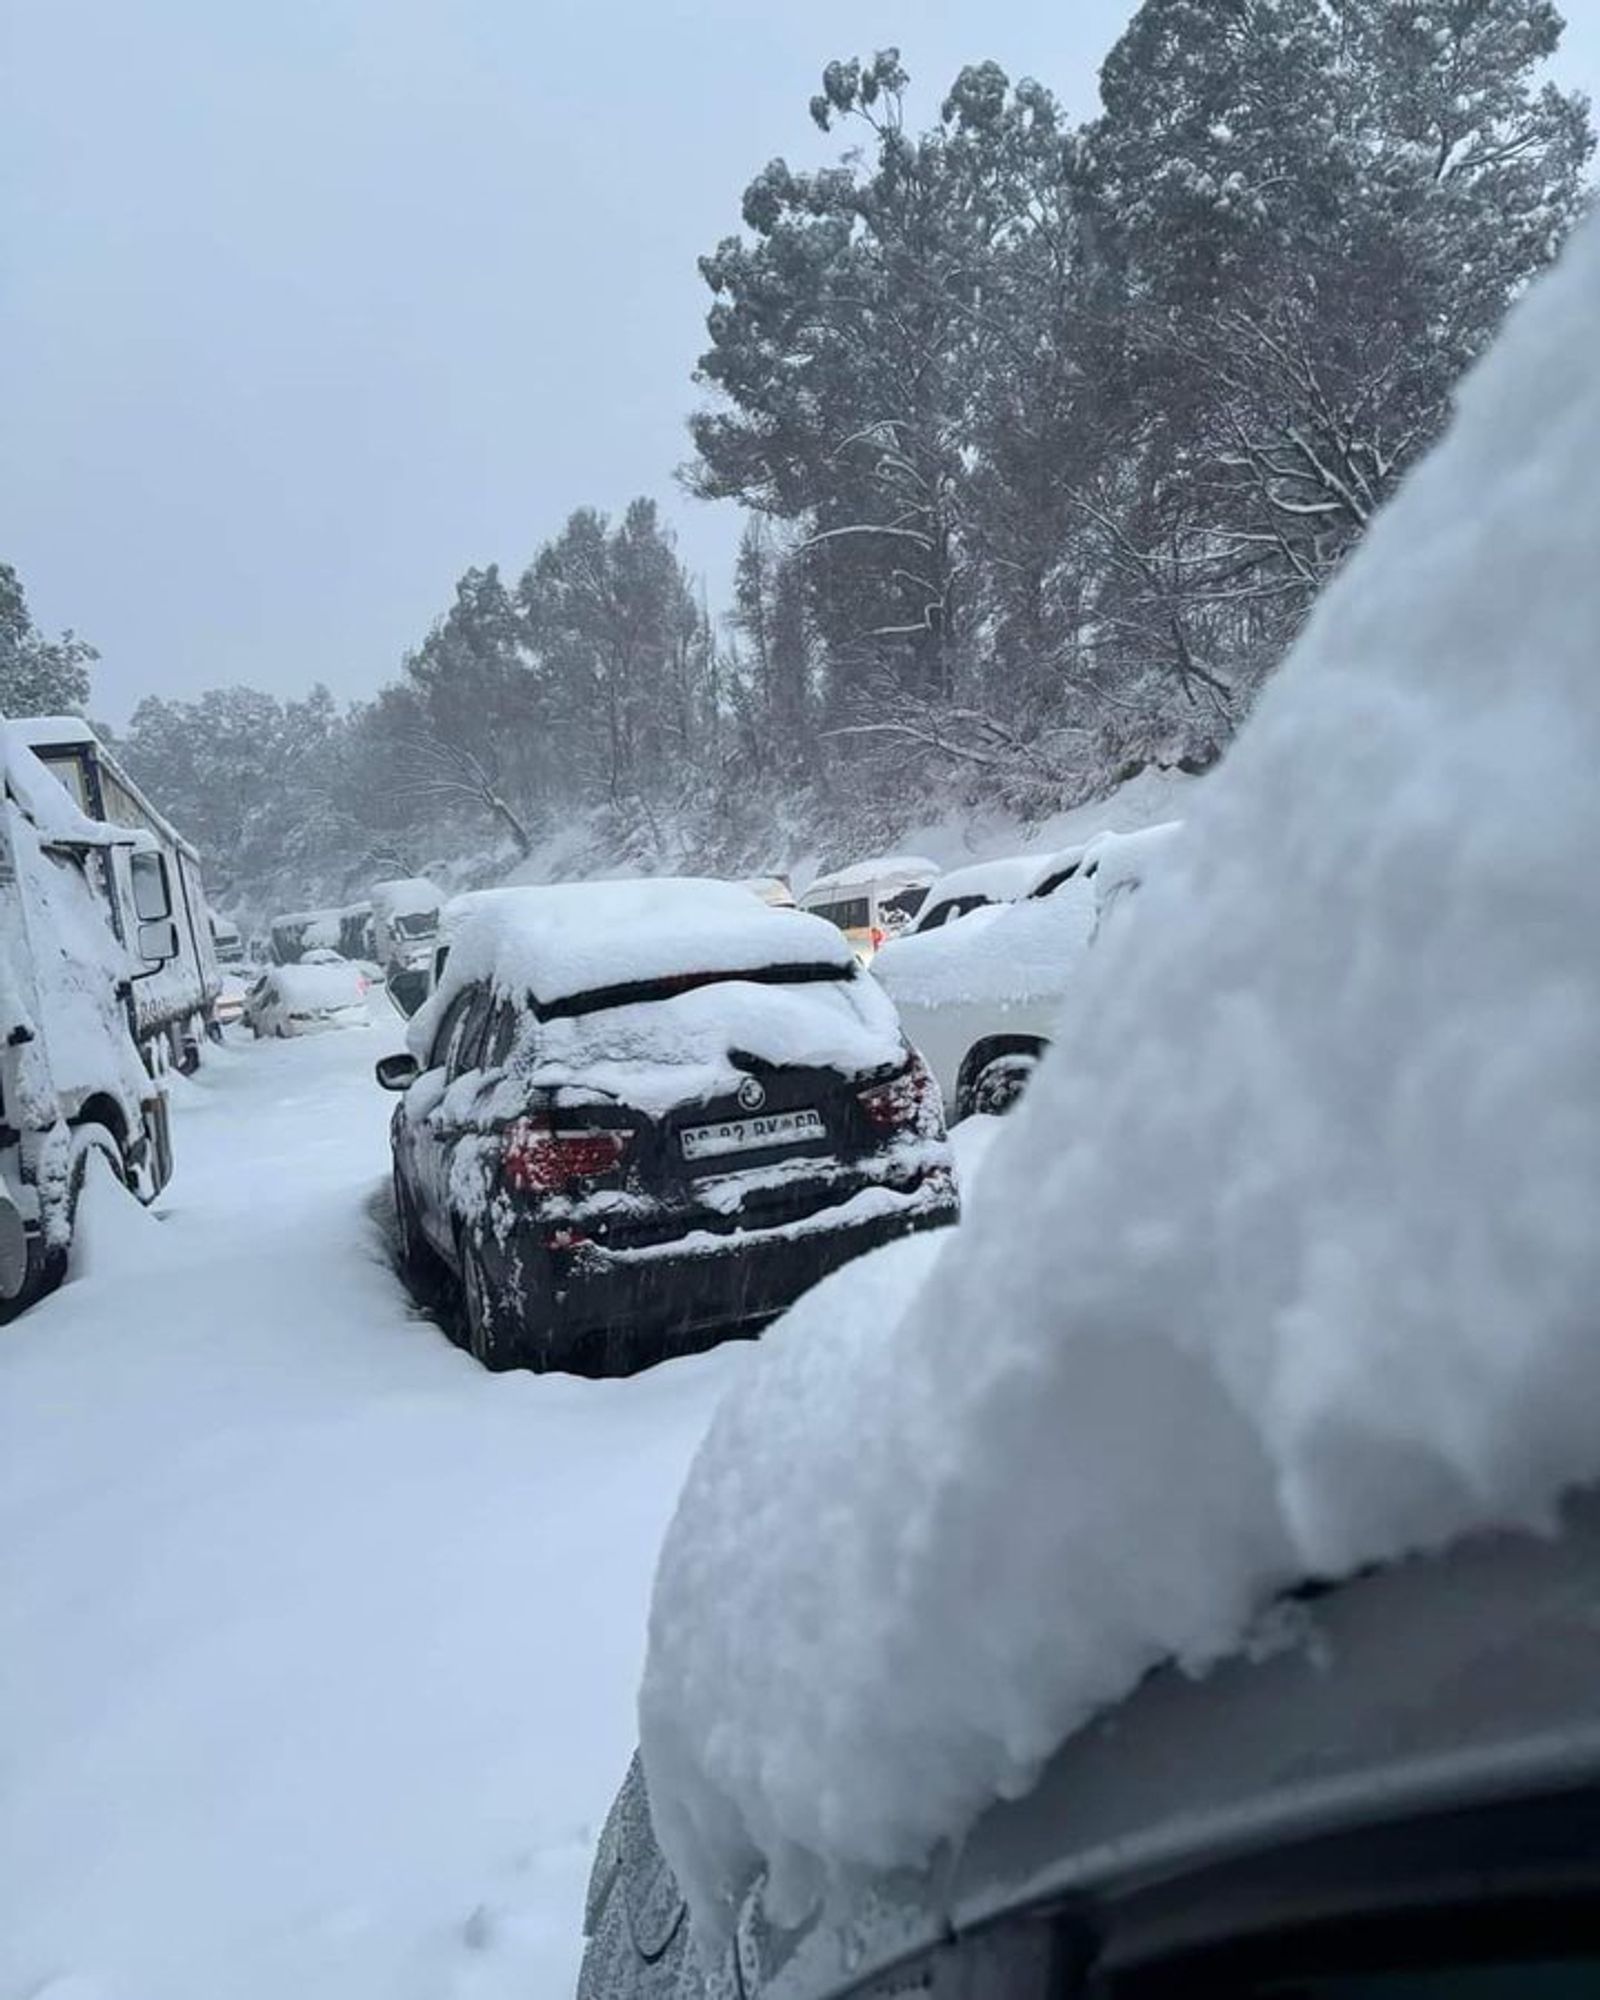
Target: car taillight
{"x": 879, "y": 938}
{"x": 539, "y": 1159}
{"x": 901, "y": 1102}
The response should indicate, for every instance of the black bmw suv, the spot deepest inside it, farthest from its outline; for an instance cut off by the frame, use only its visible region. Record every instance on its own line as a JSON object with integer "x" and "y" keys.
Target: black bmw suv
{"x": 636, "y": 1115}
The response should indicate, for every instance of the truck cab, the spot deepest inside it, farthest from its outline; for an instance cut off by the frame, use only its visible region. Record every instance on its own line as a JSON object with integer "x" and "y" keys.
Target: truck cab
{"x": 73, "y": 1085}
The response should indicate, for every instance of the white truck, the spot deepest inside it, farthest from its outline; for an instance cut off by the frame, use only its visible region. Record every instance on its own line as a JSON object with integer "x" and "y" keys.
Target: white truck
{"x": 72, "y": 1081}
{"x": 174, "y": 1007}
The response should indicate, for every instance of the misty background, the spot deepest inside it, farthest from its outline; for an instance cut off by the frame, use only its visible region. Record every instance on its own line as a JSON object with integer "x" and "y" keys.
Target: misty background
{"x": 310, "y": 307}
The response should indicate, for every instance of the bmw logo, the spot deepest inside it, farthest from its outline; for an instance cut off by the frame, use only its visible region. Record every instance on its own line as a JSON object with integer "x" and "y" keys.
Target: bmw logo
{"x": 752, "y": 1093}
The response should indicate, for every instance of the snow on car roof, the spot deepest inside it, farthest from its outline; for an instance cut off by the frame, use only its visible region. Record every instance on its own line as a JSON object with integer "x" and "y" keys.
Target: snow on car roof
{"x": 1286, "y": 1265}
{"x": 405, "y": 896}
{"x": 908, "y": 871}
{"x": 568, "y": 938}
{"x": 1005, "y": 880}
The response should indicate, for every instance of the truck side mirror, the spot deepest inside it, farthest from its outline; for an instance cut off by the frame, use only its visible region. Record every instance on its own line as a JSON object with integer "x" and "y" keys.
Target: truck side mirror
{"x": 152, "y": 892}
{"x": 158, "y": 941}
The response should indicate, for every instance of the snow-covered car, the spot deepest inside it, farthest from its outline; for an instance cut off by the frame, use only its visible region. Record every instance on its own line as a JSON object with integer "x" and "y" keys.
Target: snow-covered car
{"x": 322, "y": 954}
{"x": 1399, "y": 1797}
{"x": 978, "y": 885}
{"x": 304, "y": 999}
{"x": 639, "y": 1112}
{"x": 872, "y": 901}
{"x": 979, "y": 983}
{"x": 1223, "y": 1496}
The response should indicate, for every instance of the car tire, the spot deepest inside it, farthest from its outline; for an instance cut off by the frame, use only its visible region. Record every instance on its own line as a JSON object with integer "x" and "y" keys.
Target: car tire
{"x": 1000, "y": 1083}
{"x": 491, "y": 1338}
{"x": 419, "y": 1263}
{"x": 47, "y": 1268}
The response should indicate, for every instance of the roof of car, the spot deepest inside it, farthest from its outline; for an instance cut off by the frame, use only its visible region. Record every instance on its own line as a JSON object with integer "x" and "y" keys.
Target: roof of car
{"x": 563, "y": 939}
{"x": 1440, "y": 1683}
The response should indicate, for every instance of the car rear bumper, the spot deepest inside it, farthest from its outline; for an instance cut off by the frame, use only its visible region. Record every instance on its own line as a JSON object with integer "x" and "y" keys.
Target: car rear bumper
{"x": 705, "y": 1279}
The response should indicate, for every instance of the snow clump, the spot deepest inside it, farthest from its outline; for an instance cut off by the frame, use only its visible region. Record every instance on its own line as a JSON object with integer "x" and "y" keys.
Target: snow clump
{"x": 1288, "y": 1262}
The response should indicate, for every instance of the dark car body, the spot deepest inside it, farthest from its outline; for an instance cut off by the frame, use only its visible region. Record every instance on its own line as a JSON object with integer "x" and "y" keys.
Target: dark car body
{"x": 1395, "y": 1797}
{"x": 599, "y": 1203}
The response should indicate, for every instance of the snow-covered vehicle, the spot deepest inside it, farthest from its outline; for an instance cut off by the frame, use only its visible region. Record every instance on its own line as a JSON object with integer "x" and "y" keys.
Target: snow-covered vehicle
{"x": 405, "y": 921}
{"x": 980, "y": 884}
{"x": 227, "y": 941}
{"x": 979, "y": 983}
{"x": 305, "y": 998}
{"x": 872, "y": 901}
{"x": 72, "y": 1083}
{"x": 1224, "y": 1495}
{"x": 638, "y": 1112}
{"x": 229, "y": 1008}
{"x": 172, "y": 1007}
{"x": 773, "y": 889}
{"x": 1400, "y": 1798}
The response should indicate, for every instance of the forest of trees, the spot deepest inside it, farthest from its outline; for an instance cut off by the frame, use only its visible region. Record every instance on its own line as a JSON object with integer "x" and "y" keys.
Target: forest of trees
{"x": 1047, "y": 436}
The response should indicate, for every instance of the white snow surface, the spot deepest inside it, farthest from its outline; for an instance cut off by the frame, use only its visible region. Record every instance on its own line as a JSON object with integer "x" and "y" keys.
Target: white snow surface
{"x": 317, "y": 1642}
{"x": 1292, "y": 1267}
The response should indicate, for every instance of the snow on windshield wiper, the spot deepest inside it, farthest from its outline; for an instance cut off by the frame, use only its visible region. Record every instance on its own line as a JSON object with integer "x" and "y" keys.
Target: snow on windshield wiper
{"x": 669, "y": 985}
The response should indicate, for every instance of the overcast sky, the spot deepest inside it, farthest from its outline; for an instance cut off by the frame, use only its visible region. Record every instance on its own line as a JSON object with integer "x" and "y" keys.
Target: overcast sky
{"x": 310, "y": 304}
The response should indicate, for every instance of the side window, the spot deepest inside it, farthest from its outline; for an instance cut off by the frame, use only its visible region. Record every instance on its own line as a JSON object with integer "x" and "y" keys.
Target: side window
{"x": 467, "y": 1050}
{"x": 502, "y": 1035}
{"x": 939, "y": 914}
{"x": 444, "y": 1034}
{"x": 853, "y": 915}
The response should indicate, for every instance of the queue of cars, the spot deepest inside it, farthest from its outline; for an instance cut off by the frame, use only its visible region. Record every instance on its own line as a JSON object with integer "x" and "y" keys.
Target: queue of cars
{"x": 637, "y": 1115}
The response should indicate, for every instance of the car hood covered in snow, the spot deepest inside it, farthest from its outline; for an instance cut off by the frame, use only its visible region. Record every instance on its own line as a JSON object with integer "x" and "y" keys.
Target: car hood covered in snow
{"x": 1290, "y": 1270}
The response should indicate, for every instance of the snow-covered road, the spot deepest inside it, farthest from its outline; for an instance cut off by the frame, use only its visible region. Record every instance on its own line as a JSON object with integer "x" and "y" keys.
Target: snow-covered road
{"x": 318, "y": 1645}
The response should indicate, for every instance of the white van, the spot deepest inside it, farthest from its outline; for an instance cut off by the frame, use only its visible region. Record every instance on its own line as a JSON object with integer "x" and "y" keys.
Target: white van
{"x": 872, "y": 901}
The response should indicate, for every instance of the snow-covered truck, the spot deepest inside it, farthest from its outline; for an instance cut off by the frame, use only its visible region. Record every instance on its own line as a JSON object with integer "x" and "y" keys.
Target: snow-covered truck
{"x": 72, "y": 1082}
{"x": 174, "y": 1006}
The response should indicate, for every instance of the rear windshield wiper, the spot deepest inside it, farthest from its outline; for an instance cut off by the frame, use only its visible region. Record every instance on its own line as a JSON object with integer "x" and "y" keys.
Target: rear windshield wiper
{"x": 631, "y": 992}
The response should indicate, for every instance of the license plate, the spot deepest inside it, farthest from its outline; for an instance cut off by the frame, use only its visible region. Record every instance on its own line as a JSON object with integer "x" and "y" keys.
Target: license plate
{"x": 750, "y": 1135}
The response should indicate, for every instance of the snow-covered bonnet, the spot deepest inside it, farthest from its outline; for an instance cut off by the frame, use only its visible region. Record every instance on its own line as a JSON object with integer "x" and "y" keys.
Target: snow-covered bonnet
{"x": 1289, "y": 1262}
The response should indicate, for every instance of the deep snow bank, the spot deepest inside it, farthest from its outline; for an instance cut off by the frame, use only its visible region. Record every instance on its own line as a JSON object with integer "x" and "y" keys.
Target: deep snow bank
{"x": 1291, "y": 1266}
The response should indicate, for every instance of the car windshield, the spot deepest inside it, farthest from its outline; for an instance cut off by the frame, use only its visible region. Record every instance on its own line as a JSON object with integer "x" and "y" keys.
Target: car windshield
{"x": 799, "y": 974}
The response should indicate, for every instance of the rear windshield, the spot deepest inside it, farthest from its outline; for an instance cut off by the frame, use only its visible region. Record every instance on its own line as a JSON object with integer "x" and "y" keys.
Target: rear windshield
{"x": 668, "y": 987}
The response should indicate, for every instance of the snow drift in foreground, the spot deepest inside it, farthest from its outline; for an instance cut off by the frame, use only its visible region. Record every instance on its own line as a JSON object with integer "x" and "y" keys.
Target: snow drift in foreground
{"x": 1316, "y": 1277}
